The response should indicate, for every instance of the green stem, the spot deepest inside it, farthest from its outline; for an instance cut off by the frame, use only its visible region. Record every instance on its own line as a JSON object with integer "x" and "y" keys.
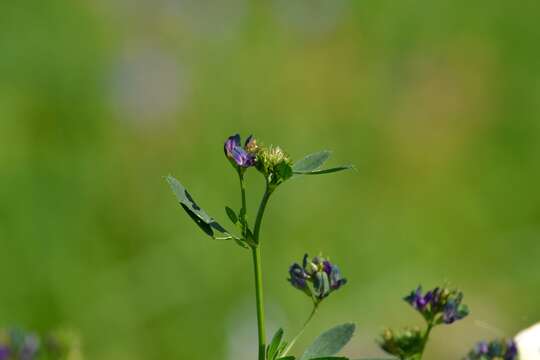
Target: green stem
{"x": 256, "y": 251}
{"x": 260, "y": 213}
{"x": 257, "y": 268}
{"x": 243, "y": 210}
{"x": 425, "y": 339}
{"x": 293, "y": 341}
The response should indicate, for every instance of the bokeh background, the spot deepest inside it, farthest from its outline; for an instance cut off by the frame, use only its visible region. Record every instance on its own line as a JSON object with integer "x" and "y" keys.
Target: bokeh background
{"x": 436, "y": 103}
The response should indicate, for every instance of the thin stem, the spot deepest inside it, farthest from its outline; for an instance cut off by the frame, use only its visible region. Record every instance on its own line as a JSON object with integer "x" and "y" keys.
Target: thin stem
{"x": 260, "y": 213}
{"x": 257, "y": 268}
{"x": 243, "y": 210}
{"x": 425, "y": 339}
{"x": 256, "y": 251}
{"x": 293, "y": 341}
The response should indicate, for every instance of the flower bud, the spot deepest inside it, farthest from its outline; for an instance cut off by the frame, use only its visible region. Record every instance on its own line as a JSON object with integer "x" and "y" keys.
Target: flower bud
{"x": 274, "y": 164}
{"x": 251, "y": 145}
{"x": 237, "y": 155}
{"x": 403, "y": 344}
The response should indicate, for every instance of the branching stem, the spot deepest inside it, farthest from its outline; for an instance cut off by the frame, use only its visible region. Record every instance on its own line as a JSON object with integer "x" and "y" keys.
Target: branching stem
{"x": 293, "y": 341}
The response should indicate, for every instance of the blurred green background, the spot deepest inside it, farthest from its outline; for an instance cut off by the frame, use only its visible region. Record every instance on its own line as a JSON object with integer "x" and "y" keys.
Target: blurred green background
{"x": 436, "y": 103}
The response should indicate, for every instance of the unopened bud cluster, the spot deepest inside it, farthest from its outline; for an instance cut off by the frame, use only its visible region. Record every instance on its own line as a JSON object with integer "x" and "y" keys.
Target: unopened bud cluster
{"x": 404, "y": 344}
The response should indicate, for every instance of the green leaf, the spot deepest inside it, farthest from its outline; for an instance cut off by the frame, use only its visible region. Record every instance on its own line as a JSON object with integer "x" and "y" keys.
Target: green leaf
{"x": 329, "y": 170}
{"x": 231, "y": 214}
{"x": 310, "y": 165}
{"x": 331, "y": 358}
{"x": 311, "y": 162}
{"x": 285, "y": 171}
{"x": 287, "y": 358}
{"x": 330, "y": 342}
{"x": 198, "y": 215}
{"x": 272, "y": 350}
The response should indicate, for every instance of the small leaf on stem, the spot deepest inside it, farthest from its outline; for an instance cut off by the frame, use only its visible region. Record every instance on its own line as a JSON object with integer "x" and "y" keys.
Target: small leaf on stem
{"x": 272, "y": 350}
{"x": 311, "y": 162}
{"x": 310, "y": 165}
{"x": 330, "y": 342}
{"x": 198, "y": 215}
{"x": 231, "y": 214}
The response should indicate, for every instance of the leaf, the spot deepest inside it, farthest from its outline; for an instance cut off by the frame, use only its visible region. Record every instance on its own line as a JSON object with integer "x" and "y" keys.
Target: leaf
{"x": 311, "y": 162}
{"x": 272, "y": 350}
{"x": 329, "y": 170}
{"x": 331, "y": 358}
{"x": 198, "y": 215}
{"x": 231, "y": 214}
{"x": 287, "y": 358}
{"x": 310, "y": 165}
{"x": 330, "y": 342}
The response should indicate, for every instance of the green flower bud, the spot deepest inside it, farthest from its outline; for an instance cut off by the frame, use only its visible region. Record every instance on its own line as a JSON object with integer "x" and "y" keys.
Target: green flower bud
{"x": 403, "y": 344}
{"x": 273, "y": 163}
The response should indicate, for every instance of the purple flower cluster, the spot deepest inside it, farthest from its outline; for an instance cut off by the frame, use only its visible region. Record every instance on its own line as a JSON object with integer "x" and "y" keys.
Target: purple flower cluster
{"x": 498, "y": 349}
{"x": 439, "y": 305}
{"x": 317, "y": 277}
{"x": 19, "y": 345}
{"x": 242, "y": 157}
{"x": 5, "y": 352}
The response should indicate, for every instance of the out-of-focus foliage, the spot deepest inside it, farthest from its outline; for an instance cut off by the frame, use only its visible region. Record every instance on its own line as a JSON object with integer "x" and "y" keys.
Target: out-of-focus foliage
{"x": 436, "y": 103}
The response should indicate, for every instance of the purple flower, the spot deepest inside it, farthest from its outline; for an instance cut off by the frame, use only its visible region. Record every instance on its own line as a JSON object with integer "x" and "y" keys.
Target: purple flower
{"x": 419, "y": 301}
{"x": 336, "y": 280}
{"x": 450, "y": 314}
{"x": 454, "y": 310}
{"x": 298, "y": 276}
{"x": 5, "y": 352}
{"x": 238, "y": 155}
{"x": 482, "y": 348}
{"x": 439, "y": 305}
{"x": 511, "y": 350}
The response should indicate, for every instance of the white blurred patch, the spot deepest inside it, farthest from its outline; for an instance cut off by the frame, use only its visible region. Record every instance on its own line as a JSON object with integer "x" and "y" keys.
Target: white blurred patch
{"x": 148, "y": 85}
{"x": 242, "y": 337}
{"x": 311, "y": 17}
{"x": 214, "y": 18}
{"x": 528, "y": 343}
